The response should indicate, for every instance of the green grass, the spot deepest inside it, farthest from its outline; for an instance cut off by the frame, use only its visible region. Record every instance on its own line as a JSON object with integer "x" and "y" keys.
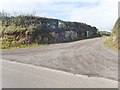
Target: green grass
{"x": 32, "y": 45}
{"x": 7, "y": 46}
{"x": 109, "y": 43}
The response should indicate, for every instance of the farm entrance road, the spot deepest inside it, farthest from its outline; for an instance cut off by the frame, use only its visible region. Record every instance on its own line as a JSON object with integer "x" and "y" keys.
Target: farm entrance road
{"x": 86, "y": 57}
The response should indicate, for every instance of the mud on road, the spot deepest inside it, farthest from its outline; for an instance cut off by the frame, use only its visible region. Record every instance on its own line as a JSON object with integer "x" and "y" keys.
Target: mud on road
{"x": 87, "y": 57}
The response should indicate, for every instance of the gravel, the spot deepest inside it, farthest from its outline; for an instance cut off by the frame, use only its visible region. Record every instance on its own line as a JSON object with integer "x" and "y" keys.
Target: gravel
{"x": 87, "y": 57}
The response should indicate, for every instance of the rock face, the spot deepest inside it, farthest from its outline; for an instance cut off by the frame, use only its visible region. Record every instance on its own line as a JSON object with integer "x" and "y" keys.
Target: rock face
{"x": 30, "y": 29}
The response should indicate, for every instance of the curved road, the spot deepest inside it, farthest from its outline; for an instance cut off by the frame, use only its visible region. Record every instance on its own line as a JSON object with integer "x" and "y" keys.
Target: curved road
{"x": 17, "y": 75}
{"x": 87, "y": 57}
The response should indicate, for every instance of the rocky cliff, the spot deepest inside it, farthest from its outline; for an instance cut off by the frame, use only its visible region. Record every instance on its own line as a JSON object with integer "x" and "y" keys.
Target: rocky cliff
{"x": 25, "y": 30}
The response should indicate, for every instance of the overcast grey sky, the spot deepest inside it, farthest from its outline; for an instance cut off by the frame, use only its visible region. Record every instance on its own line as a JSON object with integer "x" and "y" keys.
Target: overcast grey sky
{"x": 99, "y": 13}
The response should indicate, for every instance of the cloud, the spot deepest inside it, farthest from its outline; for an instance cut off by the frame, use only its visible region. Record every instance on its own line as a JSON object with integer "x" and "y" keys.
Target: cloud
{"x": 99, "y": 13}
{"x": 8, "y": 1}
{"x": 103, "y": 16}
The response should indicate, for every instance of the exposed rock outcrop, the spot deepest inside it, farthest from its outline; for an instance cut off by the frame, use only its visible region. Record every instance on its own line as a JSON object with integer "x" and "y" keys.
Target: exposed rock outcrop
{"x": 30, "y": 29}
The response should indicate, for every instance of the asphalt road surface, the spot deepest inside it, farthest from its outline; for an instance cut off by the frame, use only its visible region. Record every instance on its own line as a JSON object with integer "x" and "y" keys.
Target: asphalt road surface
{"x": 86, "y": 57}
{"x": 0, "y": 70}
{"x": 0, "y": 75}
{"x": 17, "y": 75}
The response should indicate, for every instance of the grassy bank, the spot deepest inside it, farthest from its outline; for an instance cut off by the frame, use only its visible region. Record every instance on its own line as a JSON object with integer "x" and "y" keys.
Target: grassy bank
{"x": 113, "y": 41}
{"x": 109, "y": 43}
{"x": 22, "y": 46}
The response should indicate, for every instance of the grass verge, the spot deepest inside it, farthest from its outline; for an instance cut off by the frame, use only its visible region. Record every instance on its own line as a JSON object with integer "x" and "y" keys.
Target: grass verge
{"x": 24, "y": 46}
{"x": 109, "y": 43}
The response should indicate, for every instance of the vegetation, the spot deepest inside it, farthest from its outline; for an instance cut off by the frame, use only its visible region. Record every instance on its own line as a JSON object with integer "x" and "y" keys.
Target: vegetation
{"x": 21, "y": 31}
{"x": 113, "y": 41}
{"x": 7, "y": 46}
{"x": 105, "y": 33}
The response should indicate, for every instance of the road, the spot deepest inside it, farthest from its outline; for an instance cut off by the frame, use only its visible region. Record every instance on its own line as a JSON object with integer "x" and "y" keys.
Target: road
{"x": 17, "y": 75}
{"x": 0, "y": 76}
{"x": 86, "y": 57}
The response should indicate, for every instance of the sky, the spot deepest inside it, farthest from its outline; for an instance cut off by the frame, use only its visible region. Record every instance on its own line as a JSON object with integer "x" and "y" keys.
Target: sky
{"x": 99, "y": 13}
